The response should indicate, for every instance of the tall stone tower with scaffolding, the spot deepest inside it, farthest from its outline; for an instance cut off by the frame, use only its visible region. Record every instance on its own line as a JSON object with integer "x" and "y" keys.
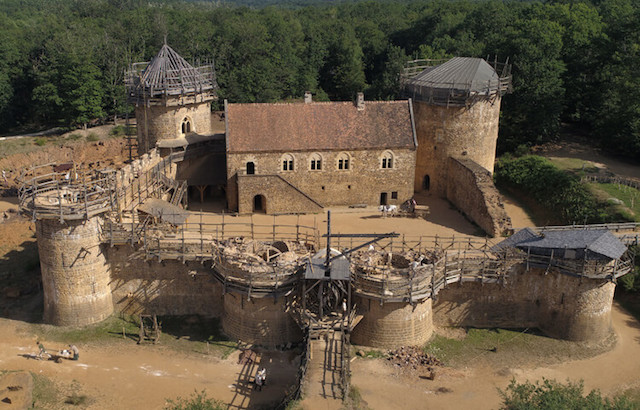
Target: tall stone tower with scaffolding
{"x": 457, "y": 108}
{"x": 172, "y": 98}
{"x": 456, "y": 111}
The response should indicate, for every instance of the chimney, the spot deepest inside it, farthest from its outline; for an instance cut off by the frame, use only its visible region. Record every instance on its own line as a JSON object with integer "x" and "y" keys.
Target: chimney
{"x": 360, "y": 101}
{"x": 308, "y": 98}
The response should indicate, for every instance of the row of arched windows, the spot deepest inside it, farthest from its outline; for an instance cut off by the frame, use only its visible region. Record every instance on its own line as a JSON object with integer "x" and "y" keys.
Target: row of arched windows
{"x": 343, "y": 161}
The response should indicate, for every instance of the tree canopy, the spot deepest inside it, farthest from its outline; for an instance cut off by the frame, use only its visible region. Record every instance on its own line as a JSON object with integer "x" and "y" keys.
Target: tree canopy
{"x": 62, "y": 62}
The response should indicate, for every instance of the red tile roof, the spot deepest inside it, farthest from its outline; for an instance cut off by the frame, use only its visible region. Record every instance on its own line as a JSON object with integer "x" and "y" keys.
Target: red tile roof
{"x": 318, "y": 126}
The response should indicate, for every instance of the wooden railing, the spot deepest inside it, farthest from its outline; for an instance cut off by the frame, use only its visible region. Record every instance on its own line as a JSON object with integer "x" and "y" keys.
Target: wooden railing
{"x": 67, "y": 196}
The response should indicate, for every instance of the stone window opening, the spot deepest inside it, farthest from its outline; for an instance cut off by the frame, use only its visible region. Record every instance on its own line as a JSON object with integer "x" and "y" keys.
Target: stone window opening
{"x": 394, "y": 195}
{"x": 186, "y": 125}
{"x": 315, "y": 162}
{"x": 387, "y": 160}
{"x": 251, "y": 168}
{"x": 344, "y": 161}
{"x": 287, "y": 162}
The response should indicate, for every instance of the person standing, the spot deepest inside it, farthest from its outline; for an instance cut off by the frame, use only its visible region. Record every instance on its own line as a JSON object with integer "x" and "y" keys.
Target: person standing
{"x": 258, "y": 380}
{"x": 75, "y": 351}
{"x": 42, "y": 351}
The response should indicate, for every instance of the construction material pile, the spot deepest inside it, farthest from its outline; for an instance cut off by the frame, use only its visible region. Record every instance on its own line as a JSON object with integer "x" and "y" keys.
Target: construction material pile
{"x": 380, "y": 262}
{"x": 412, "y": 357}
{"x": 263, "y": 256}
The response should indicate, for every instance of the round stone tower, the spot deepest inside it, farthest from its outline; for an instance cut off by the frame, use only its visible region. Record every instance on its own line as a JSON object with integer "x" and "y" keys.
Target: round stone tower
{"x": 172, "y": 98}
{"x": 68, "y": 207}
{"x": 456, "y": 110}
{"x": 393, "y": 324}
{"x": 75, "y": 275}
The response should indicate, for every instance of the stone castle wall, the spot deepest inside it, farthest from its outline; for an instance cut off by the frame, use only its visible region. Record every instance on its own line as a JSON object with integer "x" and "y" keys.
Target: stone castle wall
{"x": 562, "y": 306}
{"x": 470, "y": 188}
{"x": 167, "y": 288}
{"x": 261, "y": 321}
{"x": 393, "y": 324}
{"x": 159, "y": 122}
{"x": 75, "y": 274}
{"x": 444, "y": 132}
{"x": 331, "y": 186}
{"x": 280, "y": 196}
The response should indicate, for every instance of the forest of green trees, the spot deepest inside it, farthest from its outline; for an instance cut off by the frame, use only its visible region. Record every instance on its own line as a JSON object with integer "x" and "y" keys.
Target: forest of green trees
{"x": 574, "y": 62}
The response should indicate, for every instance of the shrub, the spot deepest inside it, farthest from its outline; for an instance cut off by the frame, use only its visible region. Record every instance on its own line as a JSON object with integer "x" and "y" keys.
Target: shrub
{"x": 92, "y": 137}
{"x": 551, "y": 394}
{"x": 118, "y": 130}
{"x": 560, "y": 192}
{"x": 40, "y": 141}
{"x": 197, "y": 401}
{"x": 74, "y": 137}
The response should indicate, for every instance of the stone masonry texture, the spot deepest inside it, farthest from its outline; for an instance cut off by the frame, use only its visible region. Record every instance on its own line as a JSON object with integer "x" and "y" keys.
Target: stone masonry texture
{"x": 444, "y": 132}
{"x": 362, "y": 183}
{"x": 75, "y": 273}
{"x": 470, "y": 188}
{"x": 393, "y": 324}
{"x": 562, "y": 306}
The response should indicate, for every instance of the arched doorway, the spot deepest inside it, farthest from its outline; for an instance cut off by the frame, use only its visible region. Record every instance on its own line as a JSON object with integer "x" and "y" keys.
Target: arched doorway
{"x": 259, "y": 204}
{"x": 426, "y": 182}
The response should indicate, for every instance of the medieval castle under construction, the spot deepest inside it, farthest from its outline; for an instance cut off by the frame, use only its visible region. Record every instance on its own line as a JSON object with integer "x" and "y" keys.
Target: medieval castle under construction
{"x": 121, "y": 239}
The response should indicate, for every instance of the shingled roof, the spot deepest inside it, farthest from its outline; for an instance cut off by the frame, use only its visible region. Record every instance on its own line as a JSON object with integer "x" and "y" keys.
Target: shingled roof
{"x": 319, "y": 126}
{"x": 600, "y": 242}
{"x": 463, "y": 73}
{"x": 457, "y": 82}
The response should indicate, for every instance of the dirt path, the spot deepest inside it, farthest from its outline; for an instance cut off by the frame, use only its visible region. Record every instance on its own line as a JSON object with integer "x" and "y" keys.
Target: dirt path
{"x": 476, "y": 387}
{"x": 581, "y": 150}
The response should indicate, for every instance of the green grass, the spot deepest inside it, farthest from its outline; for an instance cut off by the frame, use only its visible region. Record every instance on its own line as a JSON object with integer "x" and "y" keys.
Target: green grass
{"x": 574, "y": 165}
{"x": 197, "y": 401}
{"x": 628, "y": 195}
{"x": 92, "y": 137}
{"x": 512, "y": 348}
{"x": 45, "y": 392}
{"x": 109, "y": 329}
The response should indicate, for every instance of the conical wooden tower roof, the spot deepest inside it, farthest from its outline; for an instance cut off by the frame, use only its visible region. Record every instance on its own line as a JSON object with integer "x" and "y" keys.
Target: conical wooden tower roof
{"x": 169, "y": 74}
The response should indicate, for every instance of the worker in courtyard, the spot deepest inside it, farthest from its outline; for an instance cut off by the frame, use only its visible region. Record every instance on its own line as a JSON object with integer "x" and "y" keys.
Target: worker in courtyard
{"x": 259, "y": 380}
{"x": 42, "y": 351}
{"x": 75, "y": 351}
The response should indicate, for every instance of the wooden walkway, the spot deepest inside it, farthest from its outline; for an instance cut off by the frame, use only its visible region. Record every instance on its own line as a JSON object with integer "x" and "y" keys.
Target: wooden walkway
{"x": 325, "y": 377}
